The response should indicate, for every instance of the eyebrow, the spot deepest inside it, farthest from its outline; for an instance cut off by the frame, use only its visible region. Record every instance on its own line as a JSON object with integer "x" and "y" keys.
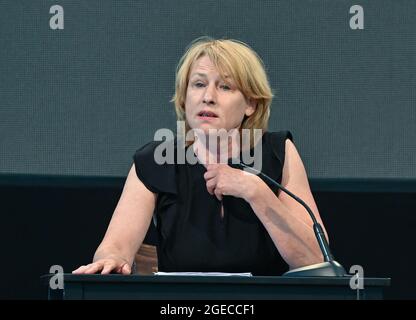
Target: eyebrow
{"x": 199, "y": 74}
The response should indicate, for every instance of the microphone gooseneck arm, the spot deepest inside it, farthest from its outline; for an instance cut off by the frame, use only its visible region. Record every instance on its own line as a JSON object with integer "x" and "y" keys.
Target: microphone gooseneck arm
{"x": 319, "y": 232}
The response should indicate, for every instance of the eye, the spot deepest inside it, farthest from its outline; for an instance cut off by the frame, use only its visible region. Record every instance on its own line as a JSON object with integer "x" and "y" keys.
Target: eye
{"x": 225, "y": 87}
{"x": 199, "y": 84}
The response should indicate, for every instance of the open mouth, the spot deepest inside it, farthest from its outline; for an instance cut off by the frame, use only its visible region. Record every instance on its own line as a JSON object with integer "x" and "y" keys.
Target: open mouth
{"x": 207, "y": 114}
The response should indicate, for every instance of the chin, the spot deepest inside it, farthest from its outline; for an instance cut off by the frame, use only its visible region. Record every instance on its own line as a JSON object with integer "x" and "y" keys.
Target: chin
{"x": 205, "y": 128}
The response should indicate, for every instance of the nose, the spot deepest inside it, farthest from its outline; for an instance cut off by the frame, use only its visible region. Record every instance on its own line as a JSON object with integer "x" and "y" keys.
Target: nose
{"x": 209, "y": 95}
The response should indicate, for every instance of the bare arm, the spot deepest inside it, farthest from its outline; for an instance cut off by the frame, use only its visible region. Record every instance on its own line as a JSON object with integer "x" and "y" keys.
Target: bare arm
{"x": 127, "y": 229}
{"x": 287, "y": 222}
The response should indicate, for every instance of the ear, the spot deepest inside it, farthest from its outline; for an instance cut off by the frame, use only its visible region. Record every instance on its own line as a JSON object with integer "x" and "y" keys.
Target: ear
{"x": 251, "y": 107}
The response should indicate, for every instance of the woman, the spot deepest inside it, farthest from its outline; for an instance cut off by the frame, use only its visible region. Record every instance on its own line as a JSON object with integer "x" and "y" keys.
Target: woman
{"x": 211, "y": 216}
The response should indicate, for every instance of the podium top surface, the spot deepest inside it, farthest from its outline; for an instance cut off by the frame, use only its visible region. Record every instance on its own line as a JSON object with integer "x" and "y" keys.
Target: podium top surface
{"x": 263, "y": 280}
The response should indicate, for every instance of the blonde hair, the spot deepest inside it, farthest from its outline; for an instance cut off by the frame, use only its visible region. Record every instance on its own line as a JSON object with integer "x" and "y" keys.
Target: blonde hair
{"x": 236, "y": 60}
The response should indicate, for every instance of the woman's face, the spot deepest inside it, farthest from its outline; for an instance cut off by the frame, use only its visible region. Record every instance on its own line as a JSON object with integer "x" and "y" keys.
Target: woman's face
{"x": 213, "y": 102}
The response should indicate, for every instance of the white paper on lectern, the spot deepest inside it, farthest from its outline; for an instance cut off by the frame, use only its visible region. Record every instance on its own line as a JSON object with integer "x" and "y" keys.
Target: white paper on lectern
{"x": 223, "y": 274}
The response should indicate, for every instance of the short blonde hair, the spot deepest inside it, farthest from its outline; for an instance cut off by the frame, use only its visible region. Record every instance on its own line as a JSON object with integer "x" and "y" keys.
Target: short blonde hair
{"x": 236, "y": 60}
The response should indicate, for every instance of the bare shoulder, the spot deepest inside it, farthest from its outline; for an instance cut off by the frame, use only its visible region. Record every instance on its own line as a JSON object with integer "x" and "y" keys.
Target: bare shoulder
{"x": 135, "y": 189}
{"x": 293, "y": 168}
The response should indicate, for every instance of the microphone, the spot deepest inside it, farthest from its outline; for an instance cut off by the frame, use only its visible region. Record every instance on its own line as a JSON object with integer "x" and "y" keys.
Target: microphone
{"x": 328, "y": 268}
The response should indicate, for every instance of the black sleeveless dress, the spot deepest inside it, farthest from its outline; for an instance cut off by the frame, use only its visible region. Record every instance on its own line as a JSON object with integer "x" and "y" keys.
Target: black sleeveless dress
{"x": 192, "y": 234}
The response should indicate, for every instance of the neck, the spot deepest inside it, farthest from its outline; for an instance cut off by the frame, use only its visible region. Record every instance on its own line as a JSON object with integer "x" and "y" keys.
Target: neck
{"x": 215, "y": 149}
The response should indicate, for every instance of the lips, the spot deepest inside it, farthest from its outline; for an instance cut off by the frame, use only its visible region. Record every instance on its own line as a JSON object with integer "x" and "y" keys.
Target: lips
{"x": 207, "y": 114}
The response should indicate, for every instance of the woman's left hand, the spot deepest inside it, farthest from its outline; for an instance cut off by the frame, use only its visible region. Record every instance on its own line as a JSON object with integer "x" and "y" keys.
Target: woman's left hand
{"x": 221, "y": 180}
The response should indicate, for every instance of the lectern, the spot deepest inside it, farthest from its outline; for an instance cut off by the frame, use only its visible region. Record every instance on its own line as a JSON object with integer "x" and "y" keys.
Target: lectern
{"x": 166, "y": 287}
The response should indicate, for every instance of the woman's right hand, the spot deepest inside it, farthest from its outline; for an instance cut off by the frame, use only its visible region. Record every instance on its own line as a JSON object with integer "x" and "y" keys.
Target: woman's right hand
{"x": 105, "y": 266}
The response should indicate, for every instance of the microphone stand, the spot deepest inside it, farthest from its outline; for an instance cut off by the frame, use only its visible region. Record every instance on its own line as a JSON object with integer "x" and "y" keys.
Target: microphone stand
{"x": 328, "y": 268}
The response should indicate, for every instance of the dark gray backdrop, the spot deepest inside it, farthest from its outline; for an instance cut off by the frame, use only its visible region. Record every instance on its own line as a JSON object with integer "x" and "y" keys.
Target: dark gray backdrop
{"x": 80, "y": 101}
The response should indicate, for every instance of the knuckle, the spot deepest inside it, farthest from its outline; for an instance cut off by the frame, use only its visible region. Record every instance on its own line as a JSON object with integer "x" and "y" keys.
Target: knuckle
{"x": 109, "y": 264}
